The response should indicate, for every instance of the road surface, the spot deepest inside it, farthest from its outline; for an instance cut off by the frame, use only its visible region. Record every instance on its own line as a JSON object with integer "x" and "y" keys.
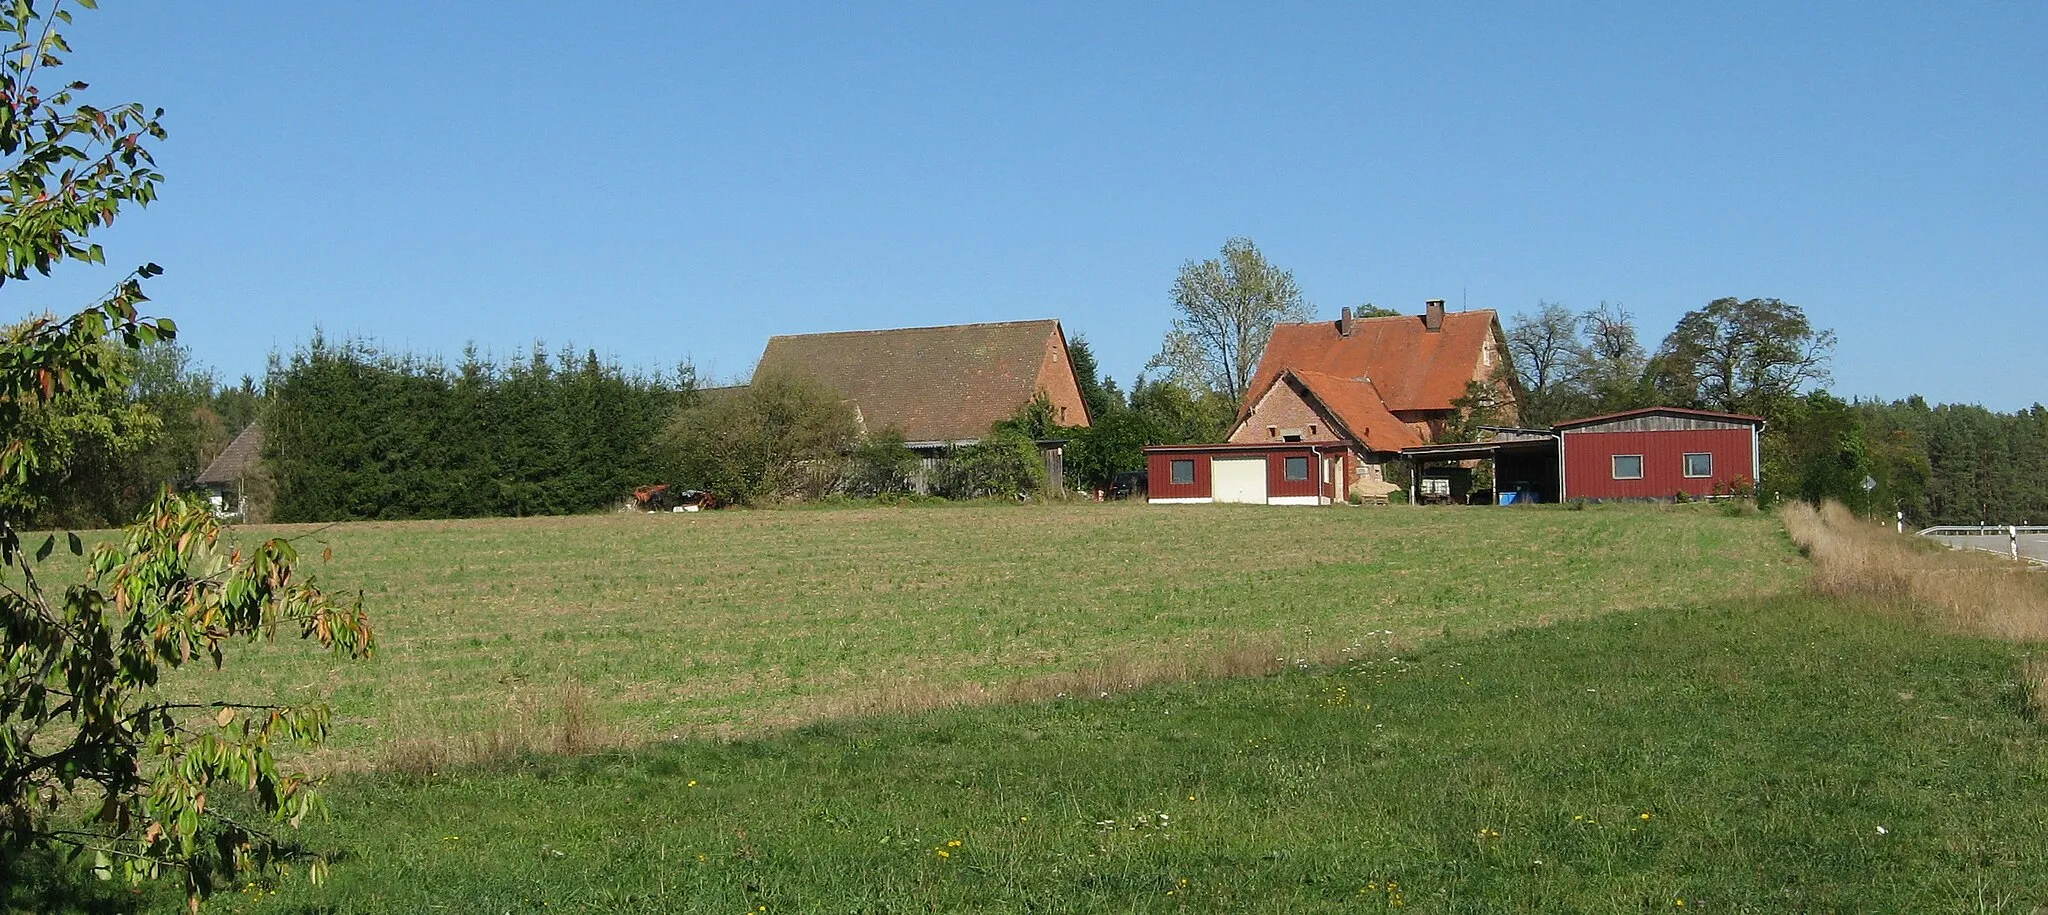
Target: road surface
{"x": 2031, "y": 545}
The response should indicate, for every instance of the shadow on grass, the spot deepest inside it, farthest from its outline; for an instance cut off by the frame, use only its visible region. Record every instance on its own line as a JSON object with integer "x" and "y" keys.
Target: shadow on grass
{"x": 45, "y": 881}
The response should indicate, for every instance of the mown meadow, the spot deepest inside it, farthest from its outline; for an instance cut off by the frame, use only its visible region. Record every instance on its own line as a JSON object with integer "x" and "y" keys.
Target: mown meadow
{"x": 1621, "y": 710}
{"x": 734, "y": 623}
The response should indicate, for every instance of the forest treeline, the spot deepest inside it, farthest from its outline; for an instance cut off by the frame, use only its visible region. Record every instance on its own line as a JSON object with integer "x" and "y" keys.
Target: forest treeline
{"x": 352, "y": 432}
{"x": 355, "y": 432}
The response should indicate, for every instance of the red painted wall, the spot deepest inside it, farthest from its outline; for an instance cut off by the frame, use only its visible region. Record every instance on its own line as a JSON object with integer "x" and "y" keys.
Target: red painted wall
{"x": 1277, "y": 483}
{"x": 1589, "y": 468}
{"x": 1159, "y": 483}
{"x": 1160, "y": 466}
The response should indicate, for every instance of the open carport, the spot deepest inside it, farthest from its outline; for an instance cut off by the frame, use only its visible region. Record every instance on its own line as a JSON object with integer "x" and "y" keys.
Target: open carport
{"x": 1525, "y": 463}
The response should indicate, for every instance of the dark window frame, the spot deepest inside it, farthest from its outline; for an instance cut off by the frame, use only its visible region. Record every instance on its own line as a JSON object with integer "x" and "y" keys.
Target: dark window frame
{"x": 1174, "y": 468}
{"x": 1287, "y": 469}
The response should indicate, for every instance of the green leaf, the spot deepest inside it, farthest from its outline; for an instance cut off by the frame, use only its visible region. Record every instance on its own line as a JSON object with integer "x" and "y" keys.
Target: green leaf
{"x": 77, "y": 545}
{"x": 49, "y": 545}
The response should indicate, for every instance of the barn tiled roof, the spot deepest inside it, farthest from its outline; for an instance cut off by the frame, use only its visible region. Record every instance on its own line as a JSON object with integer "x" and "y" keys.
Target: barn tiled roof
{"x": 933, "y": 384}
{"x": 235, "y": 461}
{"x": 1357, "y": 404}
{"x": 1412, "y": 367}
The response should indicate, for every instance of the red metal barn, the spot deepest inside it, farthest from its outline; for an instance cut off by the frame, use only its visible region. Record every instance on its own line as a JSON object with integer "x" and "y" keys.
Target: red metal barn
{"x": 1658, "y": 453}
{"x": 1289, "y": 474}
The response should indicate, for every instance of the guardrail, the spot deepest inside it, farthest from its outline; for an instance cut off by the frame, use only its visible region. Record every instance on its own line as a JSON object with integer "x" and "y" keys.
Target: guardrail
{"x": 2003, "y": 539}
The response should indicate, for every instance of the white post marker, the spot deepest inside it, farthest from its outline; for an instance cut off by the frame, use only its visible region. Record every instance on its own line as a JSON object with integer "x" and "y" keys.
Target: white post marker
{"x": 1902, "y": 522}
{"x": 2012, "y": 531}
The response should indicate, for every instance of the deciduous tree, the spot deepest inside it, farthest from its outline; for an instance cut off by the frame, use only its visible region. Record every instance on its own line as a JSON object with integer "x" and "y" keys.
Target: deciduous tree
{"x": 770, "y": 439}
{"x": 93, "y": 758}
{"x": 1743, "y": 356}
{"x": 1228, "y": 306}
{"x": 1548, "y": 357}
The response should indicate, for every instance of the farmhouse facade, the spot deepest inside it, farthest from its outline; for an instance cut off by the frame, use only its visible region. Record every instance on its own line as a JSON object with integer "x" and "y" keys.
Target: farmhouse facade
{"x": 1351, "y": 394}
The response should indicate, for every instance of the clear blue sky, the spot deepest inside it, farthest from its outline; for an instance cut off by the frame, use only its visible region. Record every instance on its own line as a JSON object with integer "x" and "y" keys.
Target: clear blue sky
{"x": 659, "y": 181}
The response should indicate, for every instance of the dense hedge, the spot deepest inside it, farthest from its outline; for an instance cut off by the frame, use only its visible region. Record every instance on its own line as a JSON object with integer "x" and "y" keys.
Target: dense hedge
{"x": 353, "y": 433}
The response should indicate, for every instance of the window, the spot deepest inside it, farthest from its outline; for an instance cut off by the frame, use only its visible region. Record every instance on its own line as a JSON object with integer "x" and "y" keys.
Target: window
{"x": 1297, "y": 469}
{"x": 1628, "y": 466}
{"x": 1183, "y": 473}
{"x": 1699, "y": 465}
{"x": 1063, "y": 416}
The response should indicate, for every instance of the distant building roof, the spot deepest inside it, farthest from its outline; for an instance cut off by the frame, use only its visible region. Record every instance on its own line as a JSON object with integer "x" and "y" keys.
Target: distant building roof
{"x": 1412, "y": 367}
{"x": 241, "y": 456}
{"x": 932, "y": 384}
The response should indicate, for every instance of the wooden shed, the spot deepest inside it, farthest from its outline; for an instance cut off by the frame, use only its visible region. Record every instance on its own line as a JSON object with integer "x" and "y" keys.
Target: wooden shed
{"x": 1659, "y": 453}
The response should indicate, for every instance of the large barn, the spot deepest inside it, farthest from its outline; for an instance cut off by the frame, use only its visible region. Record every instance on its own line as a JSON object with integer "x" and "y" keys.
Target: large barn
{"x": 1660, "y": 453}
{"x": 938, "y": 386}
{"x": 942, "y": 387}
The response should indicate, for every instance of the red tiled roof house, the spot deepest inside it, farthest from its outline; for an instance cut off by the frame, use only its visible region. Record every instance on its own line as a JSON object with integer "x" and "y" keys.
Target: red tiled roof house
{"x": 1333, "y": 401}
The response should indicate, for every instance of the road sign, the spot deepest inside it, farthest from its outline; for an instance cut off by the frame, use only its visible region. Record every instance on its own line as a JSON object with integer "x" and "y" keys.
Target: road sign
{"x": 1869, "y": 484}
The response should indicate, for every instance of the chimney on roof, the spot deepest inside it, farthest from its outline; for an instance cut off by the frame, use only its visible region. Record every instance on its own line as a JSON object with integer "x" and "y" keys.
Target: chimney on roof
{"x": 1344, "y": 323}
{"x": 1433, "y": 315}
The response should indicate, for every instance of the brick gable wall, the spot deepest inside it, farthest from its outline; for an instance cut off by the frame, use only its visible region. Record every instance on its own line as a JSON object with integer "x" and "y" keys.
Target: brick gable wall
{"x": 1056, "y": 380}
{"x": 1282, "y": 408}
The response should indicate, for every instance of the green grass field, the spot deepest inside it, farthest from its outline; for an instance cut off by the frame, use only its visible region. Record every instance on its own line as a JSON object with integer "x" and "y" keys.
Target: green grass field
{"x": 741, "y": 622}
{"x": 1626, "y": 710}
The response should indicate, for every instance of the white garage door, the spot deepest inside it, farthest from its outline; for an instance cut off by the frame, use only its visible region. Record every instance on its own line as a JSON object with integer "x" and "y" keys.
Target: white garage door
{"x": 1238, "y": 479}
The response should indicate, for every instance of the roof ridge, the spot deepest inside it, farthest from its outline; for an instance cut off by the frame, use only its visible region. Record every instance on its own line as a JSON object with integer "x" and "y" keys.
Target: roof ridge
{"x": 898, "y": 330}
{"x": 1384, "y": 318}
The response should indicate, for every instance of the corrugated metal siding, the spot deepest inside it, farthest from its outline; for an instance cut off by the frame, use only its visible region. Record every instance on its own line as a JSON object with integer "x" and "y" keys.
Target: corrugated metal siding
{"x": 1159, "y": 482}
{"x": 1589, "y": 473}
{"x": 1665, "y": 422}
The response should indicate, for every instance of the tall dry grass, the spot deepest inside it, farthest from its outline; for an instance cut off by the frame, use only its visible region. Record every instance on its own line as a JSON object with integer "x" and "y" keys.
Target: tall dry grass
{"x": 1972, "y": 593}
{"x": 561, "y": 722}
{"x": 1965, "y": 592}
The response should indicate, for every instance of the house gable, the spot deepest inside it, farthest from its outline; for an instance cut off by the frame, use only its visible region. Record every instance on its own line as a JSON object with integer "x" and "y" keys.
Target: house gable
{"x": 1284, "y": 412}
{"x": 1059, "y": 384}
{"x": 1318, "y": 407}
